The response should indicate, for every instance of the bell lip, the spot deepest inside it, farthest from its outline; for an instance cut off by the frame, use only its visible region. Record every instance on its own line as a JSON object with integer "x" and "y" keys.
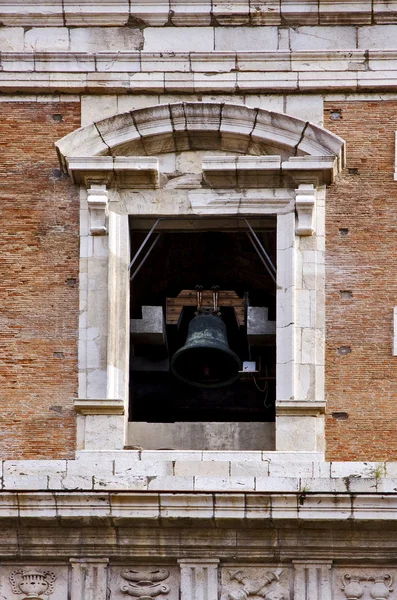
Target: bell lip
{"x": 212, "y": 385}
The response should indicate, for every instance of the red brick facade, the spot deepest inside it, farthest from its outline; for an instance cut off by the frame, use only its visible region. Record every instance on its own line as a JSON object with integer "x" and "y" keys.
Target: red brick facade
{"x": 363, "y": 381}
{"x": 38, "y": 283}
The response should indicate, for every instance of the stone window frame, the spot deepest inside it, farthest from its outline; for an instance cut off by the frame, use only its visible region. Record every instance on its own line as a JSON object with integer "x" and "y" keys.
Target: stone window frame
{"x": 308, "y": 159}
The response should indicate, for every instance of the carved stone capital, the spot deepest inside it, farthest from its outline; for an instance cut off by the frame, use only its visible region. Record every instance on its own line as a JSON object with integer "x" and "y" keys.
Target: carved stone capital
{"x": 97, "y": 199}
{"x": 305, "y": 209}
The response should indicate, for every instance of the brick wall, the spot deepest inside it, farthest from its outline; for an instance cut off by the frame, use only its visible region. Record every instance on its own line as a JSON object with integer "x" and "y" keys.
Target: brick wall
{"x": 361, "y": 373}
{"x": 38, "y": 283}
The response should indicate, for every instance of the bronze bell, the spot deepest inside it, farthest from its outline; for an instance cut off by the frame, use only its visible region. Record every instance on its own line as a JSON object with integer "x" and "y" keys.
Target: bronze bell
{"x": 206, "y": 359}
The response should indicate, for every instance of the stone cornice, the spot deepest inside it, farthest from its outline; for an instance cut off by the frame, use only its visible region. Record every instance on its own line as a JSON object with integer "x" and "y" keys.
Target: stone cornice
{"x": 195, "y": 12}
{"x": 226, "y": 72}
{"x": 135, "y": 508}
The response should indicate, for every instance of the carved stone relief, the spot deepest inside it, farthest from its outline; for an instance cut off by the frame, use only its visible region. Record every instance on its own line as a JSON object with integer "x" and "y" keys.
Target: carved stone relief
{"x": 365, "y": 584}
{"x": 144, "y": 582}
{"x": 32, "y": 583}
{"x": 255, "y": 582}
{"x": 27, "y": 582}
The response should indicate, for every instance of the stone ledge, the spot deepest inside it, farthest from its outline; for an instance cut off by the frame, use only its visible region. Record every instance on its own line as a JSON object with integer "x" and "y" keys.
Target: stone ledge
{"x": 198, "y": 507}
{"x": 155, "y": 13}
{"x": 182, "y": 63}
{"x": 254, "y": 82}
{"x": 89, "y": 406}
{"x": 313, "y": 409}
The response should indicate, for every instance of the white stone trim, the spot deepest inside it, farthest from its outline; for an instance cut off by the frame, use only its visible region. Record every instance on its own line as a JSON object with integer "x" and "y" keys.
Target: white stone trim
{"x": 162, "y": 507}
{"x": 198, "y": 13}
{"x": 72, "y": 72}
{"x": 120, "y": 171}
{"x": 239, "y": 126}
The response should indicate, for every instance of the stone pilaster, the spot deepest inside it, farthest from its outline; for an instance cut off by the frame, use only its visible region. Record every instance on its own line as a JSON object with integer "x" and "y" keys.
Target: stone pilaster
{"x": 312, "y": 580}
{"x": 199, "y": 579}
{"x": 89, "y": 578}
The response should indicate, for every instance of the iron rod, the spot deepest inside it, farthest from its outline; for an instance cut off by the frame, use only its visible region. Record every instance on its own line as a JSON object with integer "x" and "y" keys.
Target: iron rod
{"x": 145, "y": 257}
{"x": 252, "y": 240}
{"x": 261, "y": 247}
{"x": 143, "y": 243}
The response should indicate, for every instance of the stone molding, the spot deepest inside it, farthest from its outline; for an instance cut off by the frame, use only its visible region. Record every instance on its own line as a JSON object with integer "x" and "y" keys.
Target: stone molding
{"x": 90, "y": 406}
{"x": 158, "y": 508}
{"x": 198, "y": 13}
{"x": 313, "y": 409}
{"x": 268, "y": 171}
{"x": 231, "y": 72}
{"x": 238, "y": 126}
{"x": 120, "y": 171}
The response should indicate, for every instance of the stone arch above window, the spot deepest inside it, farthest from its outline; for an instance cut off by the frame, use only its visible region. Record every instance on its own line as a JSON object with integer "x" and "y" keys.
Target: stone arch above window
{"x": 276, "y": 167}
{"x": 201, "y": 126}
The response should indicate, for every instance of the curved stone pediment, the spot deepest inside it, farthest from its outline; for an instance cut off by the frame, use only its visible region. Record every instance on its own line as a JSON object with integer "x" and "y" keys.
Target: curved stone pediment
{"x": 186, "y": 126}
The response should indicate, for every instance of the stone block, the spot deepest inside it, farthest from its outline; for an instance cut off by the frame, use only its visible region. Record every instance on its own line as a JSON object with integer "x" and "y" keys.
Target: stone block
{"x": 135, "y": 506}
{"x": 236, "y": 455}
{"x": 177, "y": 484}
{"x": 185, "y": 506}
{"x": 288, "y": 469}
{"x": 296, "y": 433}
{"x": 181, "y": 39}
{"x": 377, "y": 37}
{"x": 233, "y": 39}
{"x": 30, "y": 504}
{"x": 356, "y": 13}
{"x": 213, "y": 63}
{"x": 323, "y": 38}
{"x": 218, "y": 484}
{"x": 229, "y": 506}
{"x": 235, "y": 13}
{"x": 295, "y": 12}
{"x": 277, "y": 484}
{"x": 273, "y": 103}
{"x": 247, "y": 468}
{"x": 33, "y": 474}
{"x": 153, "y": 82}
{"x": 95, "y": 108}
{"x": 151, "y": 328}
{"x": 179, "y": 82}
{"x": 171, "y": 455}
{"x": 308, "y": 108}
{"x": 104, "y": 431}
{"x": 185, "y": 13}
{"x": 204, "y": 82}
{"x": 120, "y": 481}
{"x": 12, "y": 39}
{"x": 247, "y": 82}
{"x": 123, "y": 465}
{"x": 202, "y": 468}
{"x": 356, "y": 469}
{"x": 151, "y": 12}
{"x": 47, "y": 39}
{"x": 105, "y": 39}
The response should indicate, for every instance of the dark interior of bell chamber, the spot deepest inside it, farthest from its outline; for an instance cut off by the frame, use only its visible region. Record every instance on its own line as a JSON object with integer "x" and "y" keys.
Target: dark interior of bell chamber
{"x": 181, "y": 260}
